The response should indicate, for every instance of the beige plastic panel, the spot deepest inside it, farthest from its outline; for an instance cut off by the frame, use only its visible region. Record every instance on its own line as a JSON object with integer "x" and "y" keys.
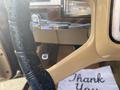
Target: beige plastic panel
{"x": 15, "y": 84}
{"x": 5, "y": 69}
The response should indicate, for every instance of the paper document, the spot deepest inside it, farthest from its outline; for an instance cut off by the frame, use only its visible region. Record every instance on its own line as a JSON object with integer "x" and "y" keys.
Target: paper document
{"x": 90, "y": 79}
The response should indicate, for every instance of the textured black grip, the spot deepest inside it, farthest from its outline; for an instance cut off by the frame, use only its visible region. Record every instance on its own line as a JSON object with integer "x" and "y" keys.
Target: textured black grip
{"x": 24, "y": 45}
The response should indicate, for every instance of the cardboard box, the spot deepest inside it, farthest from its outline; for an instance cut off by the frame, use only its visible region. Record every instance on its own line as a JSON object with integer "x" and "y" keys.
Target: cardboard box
{"x": 70, "y": 37}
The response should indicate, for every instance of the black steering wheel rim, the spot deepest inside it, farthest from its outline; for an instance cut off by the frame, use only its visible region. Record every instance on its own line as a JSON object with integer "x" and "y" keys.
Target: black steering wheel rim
{"x": 24, "y": 45}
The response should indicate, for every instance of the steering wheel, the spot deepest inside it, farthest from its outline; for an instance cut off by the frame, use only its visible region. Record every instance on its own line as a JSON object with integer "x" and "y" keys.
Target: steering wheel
{"x": 100, "y": 46}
